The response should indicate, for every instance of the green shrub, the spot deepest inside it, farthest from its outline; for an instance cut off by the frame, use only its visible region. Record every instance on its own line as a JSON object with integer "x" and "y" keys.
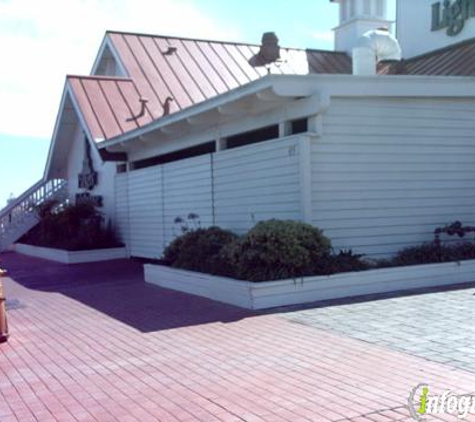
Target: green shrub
{"x": 420, "y": 254}
{"x": 429, "y": 253}
{"x": 200, "y": 250}
{"x": 345, "y": 261}
{"x": 277, "y": 249}
{"x": 71, "y": 227}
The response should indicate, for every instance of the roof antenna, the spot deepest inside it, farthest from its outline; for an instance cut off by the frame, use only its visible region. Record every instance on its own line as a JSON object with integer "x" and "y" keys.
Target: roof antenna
{"x": 166, "y": 106}
{"x": 170, "y": 51}
{"x": 143, "y": 105}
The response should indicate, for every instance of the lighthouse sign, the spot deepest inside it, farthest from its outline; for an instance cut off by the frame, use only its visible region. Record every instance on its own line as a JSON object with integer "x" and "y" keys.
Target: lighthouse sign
{"x": 451, "y": 15}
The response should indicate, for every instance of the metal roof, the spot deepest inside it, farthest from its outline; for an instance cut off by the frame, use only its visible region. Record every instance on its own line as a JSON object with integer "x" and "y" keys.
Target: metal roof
{"x": 110, "y": 106}
{"x": 455, "y": 60}
{"x": 190, "y": 71}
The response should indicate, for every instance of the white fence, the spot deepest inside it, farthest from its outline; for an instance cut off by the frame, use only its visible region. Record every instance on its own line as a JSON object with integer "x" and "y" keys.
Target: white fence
{"x": 232, "y": 189}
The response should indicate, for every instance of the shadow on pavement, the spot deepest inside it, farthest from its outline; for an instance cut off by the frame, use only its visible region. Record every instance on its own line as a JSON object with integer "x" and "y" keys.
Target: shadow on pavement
{"x": 117, "y": 289}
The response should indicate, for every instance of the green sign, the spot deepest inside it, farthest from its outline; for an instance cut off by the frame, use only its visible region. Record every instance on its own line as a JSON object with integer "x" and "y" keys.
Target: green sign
{"x": 452, "y": 15}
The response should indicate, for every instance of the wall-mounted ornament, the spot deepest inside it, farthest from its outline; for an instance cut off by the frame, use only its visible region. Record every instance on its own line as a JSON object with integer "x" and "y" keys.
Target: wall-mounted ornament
{"x": 87, "y": 179}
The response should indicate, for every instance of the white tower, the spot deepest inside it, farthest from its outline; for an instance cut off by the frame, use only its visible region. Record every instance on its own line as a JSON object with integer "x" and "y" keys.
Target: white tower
{"x": 356, "y": 18}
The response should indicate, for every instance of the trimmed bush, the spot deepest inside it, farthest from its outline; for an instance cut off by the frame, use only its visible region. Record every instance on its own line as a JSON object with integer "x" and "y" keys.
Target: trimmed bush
{"x": 277, "y": 249}
{"x": 200, "y": 250}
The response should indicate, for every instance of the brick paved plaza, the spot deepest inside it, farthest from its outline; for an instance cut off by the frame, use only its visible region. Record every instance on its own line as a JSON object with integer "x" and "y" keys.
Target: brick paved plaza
{"x": 94, "y": 343}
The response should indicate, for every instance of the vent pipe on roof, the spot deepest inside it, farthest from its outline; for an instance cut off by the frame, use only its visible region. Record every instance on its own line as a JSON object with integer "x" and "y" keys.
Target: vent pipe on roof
{"x": 373, "y": 47}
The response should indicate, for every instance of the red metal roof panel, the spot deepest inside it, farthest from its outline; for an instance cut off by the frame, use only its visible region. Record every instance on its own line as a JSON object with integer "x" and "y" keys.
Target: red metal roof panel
{"x": 191, "y": 71}
{"x": 109, "y": 106}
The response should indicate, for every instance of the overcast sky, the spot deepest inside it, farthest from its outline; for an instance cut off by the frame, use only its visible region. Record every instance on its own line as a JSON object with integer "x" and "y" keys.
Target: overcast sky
{"x": 43, "y": 40}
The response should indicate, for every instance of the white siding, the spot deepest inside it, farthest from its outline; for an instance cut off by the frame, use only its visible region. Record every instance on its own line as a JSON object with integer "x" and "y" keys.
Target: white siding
{"x": 187, "y": 189}
{"x": 230, "y": 189}
{"x": 387, "y": 172}
{"x": 121, "y": 207}
{"x": 105, "y": 171}
{"x": 146, "y": 212}
{"x": 257, "y": 182}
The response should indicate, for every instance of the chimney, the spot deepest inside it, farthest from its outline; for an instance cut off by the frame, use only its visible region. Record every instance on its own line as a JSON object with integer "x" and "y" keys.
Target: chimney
{"x": 356, "y": 18}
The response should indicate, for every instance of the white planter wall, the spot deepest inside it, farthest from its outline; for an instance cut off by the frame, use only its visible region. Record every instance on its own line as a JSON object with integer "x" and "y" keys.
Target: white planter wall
{"x": 71, "y": 257}
{"x": 271, "y": 294}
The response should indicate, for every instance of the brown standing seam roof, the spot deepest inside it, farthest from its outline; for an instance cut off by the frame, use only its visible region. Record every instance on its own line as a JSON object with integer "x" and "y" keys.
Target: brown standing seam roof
{"x": 455, "y": 60}
{"x": 201, "y": 69}
{"x": 108, "y": 104}
{"x": 197, "y": 70}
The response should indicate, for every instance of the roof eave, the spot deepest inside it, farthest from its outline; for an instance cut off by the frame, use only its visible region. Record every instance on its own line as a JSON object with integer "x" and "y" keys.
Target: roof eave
{"x": 307, "y": 85}
{"x": 231, "y": 96}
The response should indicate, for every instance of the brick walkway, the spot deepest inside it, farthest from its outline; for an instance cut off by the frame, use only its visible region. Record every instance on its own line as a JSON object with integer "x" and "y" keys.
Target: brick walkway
{"x": 94, "y": 343}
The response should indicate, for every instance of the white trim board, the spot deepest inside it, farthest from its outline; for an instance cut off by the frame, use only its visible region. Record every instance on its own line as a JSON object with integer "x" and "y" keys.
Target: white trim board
{"x": 270, "y": 294}
{"x": 71, "y": 257}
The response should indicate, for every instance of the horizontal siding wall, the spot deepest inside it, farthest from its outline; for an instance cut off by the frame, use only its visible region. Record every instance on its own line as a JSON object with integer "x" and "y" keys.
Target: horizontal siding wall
{"x": 232, "y": 189}
{"x": 257, "y": 182}
{"x": 187, "y": 189}
{"x": 388, "y": 171}
{"x": 121, "y": 219}
{"x": 146, "y": 213}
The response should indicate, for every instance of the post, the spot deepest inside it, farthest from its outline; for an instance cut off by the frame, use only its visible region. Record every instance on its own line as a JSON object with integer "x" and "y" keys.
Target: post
{"x": 305, "y": 164}
{"x": 3, "y": 313}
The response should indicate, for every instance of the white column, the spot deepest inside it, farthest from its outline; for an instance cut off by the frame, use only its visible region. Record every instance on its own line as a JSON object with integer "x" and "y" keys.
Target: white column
{"x": 305, "y": 163}
{"x": 221, "y": 144}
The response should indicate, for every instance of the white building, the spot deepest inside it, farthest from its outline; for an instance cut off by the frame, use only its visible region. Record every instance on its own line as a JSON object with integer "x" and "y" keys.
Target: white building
{"x": 167, "y": 126}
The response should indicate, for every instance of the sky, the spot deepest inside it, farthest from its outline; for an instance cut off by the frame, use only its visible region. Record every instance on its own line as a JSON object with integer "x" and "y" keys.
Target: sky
{"x": 41, "y": 41}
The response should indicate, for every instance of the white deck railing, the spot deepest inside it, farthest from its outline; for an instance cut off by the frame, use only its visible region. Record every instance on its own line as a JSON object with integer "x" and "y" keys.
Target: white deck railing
{"x": 20, "y": 216}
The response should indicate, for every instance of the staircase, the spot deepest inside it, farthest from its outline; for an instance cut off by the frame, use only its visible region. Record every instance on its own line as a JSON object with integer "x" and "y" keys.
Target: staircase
{"x": 20, "y": 216}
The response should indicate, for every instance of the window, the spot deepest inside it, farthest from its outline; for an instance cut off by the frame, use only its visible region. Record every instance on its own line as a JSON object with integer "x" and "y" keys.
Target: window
{"x": 121, "y": 168}
{"x": 195, "y": 151}
{"x": 298, "y": 126}
{"x": 253, "y": 137}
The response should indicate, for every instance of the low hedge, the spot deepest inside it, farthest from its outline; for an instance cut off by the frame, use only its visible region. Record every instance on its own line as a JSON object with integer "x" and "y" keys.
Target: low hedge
{"x": 282, "y": 249}
{"x": 431, "y": 253}
{"x": 272, "y": 250}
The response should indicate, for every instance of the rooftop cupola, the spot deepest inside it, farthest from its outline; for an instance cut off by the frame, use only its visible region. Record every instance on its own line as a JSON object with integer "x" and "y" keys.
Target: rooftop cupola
{"x": 356, "y": 18}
